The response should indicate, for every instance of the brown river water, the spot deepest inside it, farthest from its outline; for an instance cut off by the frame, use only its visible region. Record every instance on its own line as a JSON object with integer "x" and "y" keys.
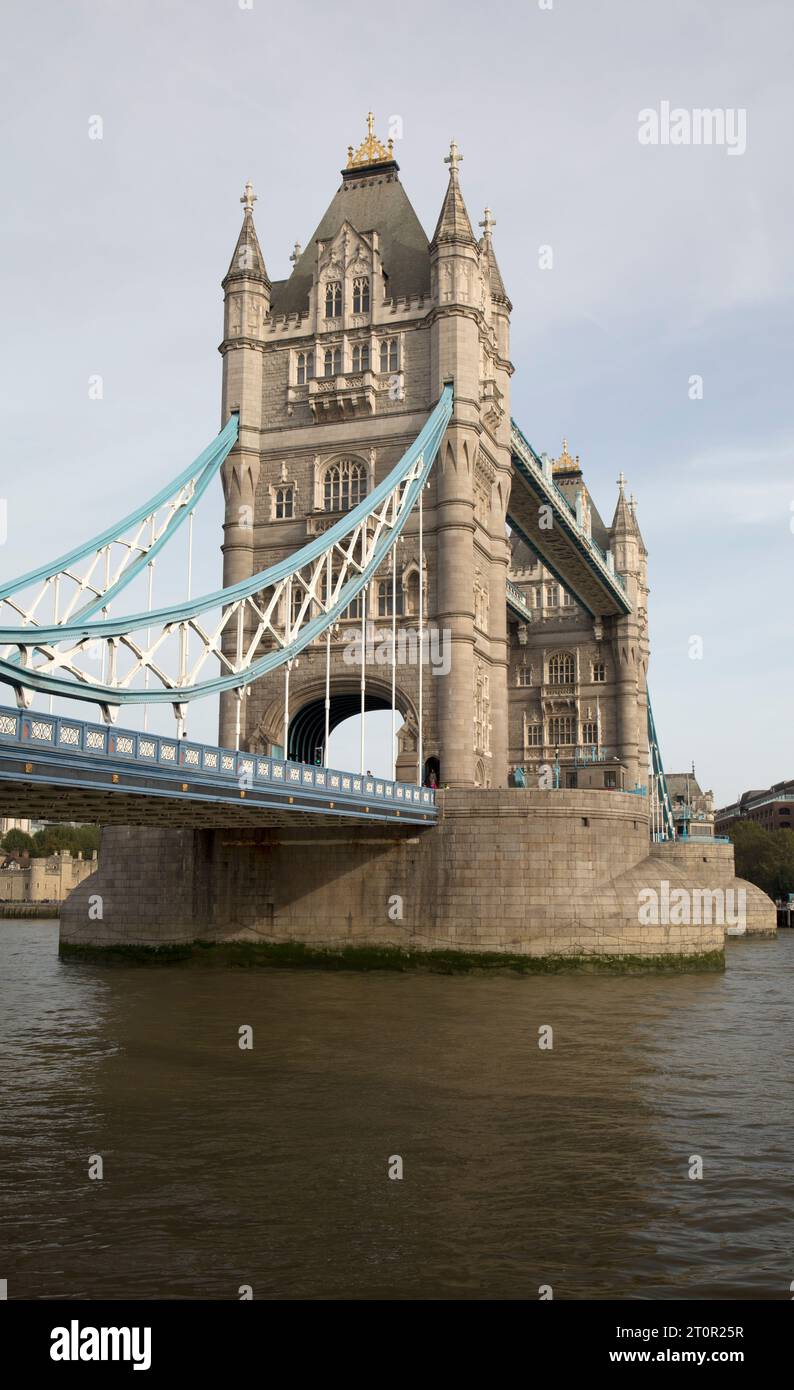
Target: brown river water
{"x": 269, "y": 1167}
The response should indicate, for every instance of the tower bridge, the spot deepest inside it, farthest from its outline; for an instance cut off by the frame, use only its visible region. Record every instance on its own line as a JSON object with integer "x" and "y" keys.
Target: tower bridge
{"x": 375, "y": 486}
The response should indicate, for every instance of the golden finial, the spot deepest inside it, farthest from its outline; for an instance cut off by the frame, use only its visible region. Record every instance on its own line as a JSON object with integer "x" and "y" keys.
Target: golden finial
{"x": 371, "y": 150}
{"x": 565, "y": 463}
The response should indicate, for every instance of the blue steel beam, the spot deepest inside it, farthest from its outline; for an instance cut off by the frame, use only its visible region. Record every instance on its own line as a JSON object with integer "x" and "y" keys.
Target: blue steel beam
{"x": 202, "y": 470}
{"x": 661, "y": 781}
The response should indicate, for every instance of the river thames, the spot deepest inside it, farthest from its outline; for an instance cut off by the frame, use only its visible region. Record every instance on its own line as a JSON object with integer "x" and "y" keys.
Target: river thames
{"x": 523, "y": 1166}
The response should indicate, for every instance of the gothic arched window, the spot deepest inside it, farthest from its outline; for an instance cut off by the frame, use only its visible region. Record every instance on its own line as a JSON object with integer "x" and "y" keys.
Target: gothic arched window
{"x": 284, "y": 508}
{"x": 361, "y": 358}
{"x": 561, "y": 669}
{"x": 305, "y": 367}
{"x": 344, "y": 485}
{"x": 361, "y": 295}
{"x": 333, "y": 299}
{"x": 389, "y": 357}
{"x": 332, "y": 362}
{"x": 385, "y": 598}
{"x": 561, "y": 729}
{"x": 599, "y": 672}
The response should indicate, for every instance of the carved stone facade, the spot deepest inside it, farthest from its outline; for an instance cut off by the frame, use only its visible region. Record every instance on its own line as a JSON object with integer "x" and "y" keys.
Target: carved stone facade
{"x": 577, "y": 684}
{"x": 334, "y": 371}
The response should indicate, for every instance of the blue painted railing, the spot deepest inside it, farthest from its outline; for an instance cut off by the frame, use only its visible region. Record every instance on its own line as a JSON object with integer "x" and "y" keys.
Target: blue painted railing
{"x": 129, "y": 748}
{"x": 517, "y": 601}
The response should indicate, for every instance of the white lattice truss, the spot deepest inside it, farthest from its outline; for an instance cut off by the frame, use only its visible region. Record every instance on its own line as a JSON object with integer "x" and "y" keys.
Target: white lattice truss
{"x": 241, "y": 640}
{"x": 72, "y": 594}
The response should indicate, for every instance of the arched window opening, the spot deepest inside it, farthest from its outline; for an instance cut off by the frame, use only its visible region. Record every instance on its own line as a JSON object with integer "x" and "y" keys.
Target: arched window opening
{"x": 386, "y": 605}
{"x": 361, "y": 295}
{"x": 344, "y": 485}
{"x": 305, "y": 367}
{"x": 389, "y": 356}
{"x": 562, "y": 729}
{"x": 333, "y": 299}
{"x": 285, "y": 503}
{"x": 561, "y": 669}
{"x": 361, "y": 358}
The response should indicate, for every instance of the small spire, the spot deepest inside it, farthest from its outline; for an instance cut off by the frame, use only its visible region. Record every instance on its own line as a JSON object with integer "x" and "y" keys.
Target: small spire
{"x": 297, "y": 253}
{"x": 621, "y": 482}
{"x": 453, "y": 222}
{"x": 488, "y": 222}
{"x": 633, "y": 505}
{"x": 453, "y": 158}
{"x": 247, "y": 261}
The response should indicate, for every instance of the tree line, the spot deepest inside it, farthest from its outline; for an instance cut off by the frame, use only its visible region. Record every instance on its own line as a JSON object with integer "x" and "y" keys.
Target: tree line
{"x": 765, "y": 857}
{"x": 78, "y": 839}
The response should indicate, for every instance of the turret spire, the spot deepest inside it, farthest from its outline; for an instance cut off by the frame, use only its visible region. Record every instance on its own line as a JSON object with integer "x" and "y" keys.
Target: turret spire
{"x": 453, "y": 223}
{"x": 623, "y": 522}
{"x": 248, "y": 261}
{"x": 488, "y": 223}
{"x": 453, "y": 158}
{"x": 496, "y": 283}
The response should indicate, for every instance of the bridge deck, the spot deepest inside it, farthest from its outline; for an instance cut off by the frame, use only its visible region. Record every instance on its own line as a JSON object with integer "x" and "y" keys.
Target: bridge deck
{"x": 54, "y": 767}
{"x": 565, "y": 548}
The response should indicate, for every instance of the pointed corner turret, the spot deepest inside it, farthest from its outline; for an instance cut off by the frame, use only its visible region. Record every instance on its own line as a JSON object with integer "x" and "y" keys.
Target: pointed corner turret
{"x": 623, "y": 523}
{"x": 633, "y": 510}
{"x": 626, "y": 542}
{"x": 453, "y": 224}
{"x": 494, "y": 276}
{"x": 247, "y": 263}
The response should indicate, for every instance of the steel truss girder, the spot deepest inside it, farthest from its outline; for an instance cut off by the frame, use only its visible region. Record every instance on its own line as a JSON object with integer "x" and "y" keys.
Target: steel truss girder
{"x": 230, "y": 625}
{"x": 121, "y": 551}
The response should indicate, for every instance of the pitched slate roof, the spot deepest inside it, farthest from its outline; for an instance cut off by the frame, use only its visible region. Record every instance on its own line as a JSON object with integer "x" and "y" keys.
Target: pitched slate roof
{"x": 370, "y": 201}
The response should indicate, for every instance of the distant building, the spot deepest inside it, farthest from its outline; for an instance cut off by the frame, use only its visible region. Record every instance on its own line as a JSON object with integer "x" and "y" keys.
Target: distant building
{"x": 26, "y": 880}
{"x": 693, "y": 809}
{"x": 8, "y": 823}
{"x": 772, "y": 809}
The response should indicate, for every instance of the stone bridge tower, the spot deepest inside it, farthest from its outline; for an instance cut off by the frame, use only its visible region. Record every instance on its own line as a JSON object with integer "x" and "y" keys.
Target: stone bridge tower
{"x": 334, "y": 371}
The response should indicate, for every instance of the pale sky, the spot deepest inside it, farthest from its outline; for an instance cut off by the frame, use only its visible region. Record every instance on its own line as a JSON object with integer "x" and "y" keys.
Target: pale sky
{"x": 669, "y": 262}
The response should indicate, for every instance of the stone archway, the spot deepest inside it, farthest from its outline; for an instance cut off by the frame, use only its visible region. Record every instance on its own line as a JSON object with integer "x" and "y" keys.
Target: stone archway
{"x": 307, "y": 717}
{"x": 307, "y": 726}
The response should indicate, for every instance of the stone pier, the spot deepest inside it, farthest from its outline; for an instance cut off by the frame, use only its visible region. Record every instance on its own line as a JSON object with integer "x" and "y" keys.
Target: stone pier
{"x": 518, "y": 872}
